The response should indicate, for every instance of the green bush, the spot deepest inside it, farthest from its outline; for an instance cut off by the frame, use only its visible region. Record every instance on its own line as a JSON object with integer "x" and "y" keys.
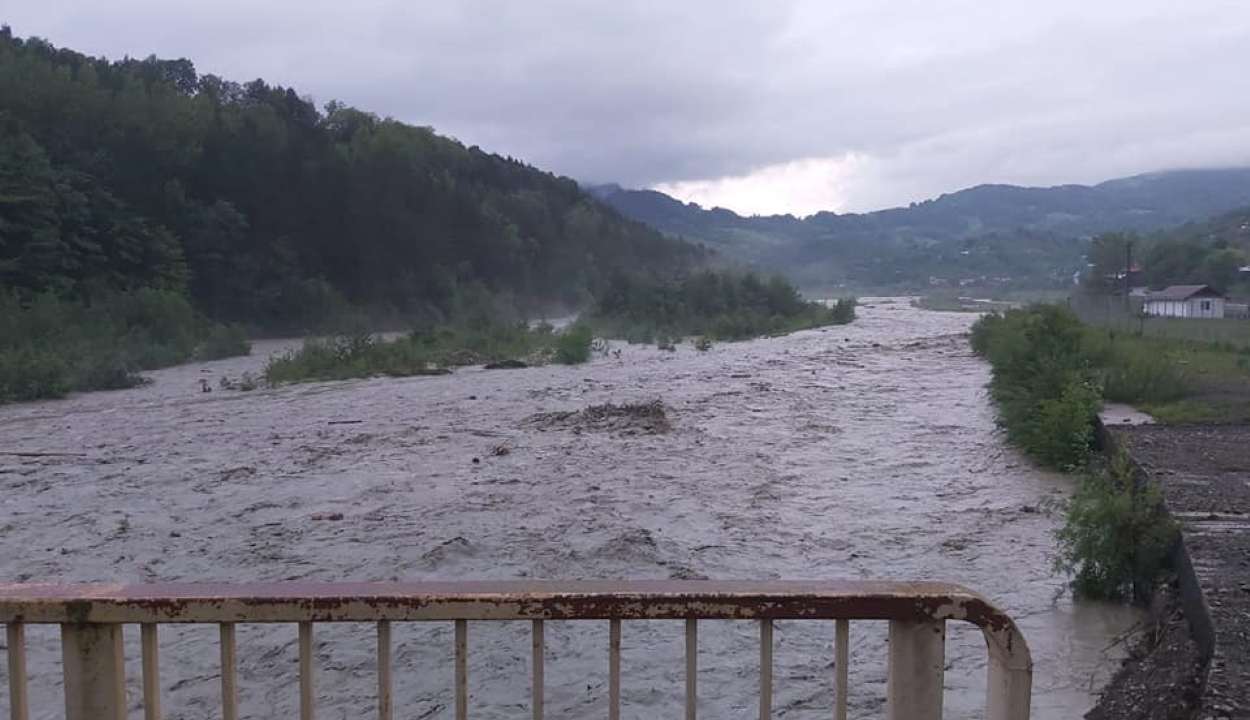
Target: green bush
{"x": 1042, "y": 354}
{"x": 1061, "y": 430}
{"x": 110, "y": 371}
{"x": 31, "y": 374}
{"x": 573, "y": 345}
{"x": 50, "y": 347}
{"x": 1114, "y": 539}
{"x": 983, "y": 332}
{"x": 427, "y": 350}
{"x": 315, "y": 360}
{"x": 843, "y": 311}
{"x": 1042, "y": 381}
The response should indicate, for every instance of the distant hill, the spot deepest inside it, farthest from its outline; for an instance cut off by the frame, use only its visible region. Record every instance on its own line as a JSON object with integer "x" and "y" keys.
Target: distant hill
{"x": 263, "y": 208}
{"x": 998, "y": 233}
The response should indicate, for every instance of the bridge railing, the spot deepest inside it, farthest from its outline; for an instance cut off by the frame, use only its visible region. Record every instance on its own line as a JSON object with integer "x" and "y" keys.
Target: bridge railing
{"x": 92, "y": 617}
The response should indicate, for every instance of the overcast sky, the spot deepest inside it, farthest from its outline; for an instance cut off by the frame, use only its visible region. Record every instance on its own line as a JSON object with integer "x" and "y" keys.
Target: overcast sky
{"x": 770, "y": 106}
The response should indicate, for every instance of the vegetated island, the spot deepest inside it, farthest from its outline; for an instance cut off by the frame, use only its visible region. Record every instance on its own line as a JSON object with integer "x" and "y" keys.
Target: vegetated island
{"x": 708, "y": 306}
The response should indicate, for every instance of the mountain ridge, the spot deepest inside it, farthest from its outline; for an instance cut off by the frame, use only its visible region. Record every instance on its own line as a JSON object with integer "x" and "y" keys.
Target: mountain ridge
{"x": 954, "y": 234}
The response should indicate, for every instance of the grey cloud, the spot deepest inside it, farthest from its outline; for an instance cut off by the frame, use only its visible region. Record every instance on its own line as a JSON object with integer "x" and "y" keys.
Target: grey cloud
{"x": 938, "y": 95}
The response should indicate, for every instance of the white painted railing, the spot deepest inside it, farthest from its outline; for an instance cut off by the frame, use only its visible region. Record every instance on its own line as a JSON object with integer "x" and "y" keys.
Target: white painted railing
{"x": 92, "y": 618}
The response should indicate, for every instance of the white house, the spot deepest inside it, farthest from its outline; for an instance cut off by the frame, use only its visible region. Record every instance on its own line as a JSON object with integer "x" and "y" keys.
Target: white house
{"x": 1185, "y": 301}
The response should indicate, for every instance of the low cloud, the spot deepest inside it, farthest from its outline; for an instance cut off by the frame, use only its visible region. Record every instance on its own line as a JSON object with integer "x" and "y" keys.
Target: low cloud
{"x": 789, "y": 106}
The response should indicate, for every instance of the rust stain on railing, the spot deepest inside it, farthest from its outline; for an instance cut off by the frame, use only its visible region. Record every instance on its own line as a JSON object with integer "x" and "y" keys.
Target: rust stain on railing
{"x": 648, "y": 599}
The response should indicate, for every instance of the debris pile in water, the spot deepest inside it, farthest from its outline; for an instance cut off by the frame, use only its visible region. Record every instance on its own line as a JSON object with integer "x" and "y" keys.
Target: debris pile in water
{"x": 629, "y": 418}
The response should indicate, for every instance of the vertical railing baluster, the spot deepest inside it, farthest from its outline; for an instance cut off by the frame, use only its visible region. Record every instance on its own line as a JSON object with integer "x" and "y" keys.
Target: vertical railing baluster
{"x": 536, "y": 692}
{"x": 93, "y": 664}
{"x": 692, "y": 668}
{"x": 229, "y": 673}
{"x": 385, "y": 695}
{"x": 151, "y": 671}
{"x": 462, "y": 670}
{"x": 614, "y": 669}
{"x": 306, "y": 692}
{"x": 916, "y": 666}
{"x": 766, "y": 669}
{"x": 842, "y": 668}
{"x": 19, "y": 704}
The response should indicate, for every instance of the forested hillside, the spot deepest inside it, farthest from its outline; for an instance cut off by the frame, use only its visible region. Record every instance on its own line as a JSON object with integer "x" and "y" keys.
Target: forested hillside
{"x": 267, "y": 210}
{"x": 991, "y": 234}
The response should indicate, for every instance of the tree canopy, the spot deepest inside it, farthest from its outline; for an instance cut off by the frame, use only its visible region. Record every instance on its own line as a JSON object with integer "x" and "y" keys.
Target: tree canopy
{"x": 1215, "y": 253}
{"x": 263, "y": 208}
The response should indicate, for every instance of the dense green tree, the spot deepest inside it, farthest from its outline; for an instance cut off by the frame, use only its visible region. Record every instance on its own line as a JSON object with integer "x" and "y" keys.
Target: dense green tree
{"x": 1212, "y": 253}
{"x": 33, "y": 255}
{"x": 1221, "y": 268}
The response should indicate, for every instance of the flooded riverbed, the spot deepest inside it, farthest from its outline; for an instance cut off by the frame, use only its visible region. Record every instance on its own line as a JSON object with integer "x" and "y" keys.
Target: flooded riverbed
{"x": 866, "y": 451}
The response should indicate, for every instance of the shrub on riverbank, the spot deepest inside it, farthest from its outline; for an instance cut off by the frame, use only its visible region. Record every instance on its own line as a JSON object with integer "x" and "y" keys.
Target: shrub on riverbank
{"x": 1041, "y": 381}
{"x": 1114, "y": 539}
{"x": 1050, "y": 374}
{"x": 572, "y": 347}
{"x": 50, "y": 347}
{"x": 717, "y": 305}
{"x": 431, "y": 350}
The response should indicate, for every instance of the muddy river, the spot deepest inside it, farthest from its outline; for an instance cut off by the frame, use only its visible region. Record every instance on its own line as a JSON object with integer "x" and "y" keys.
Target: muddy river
{"x": 866, "y": 451}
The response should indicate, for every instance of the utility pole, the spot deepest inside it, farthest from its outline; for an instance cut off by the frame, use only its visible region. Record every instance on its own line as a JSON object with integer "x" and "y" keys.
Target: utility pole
{"x": 1128, "y": 274}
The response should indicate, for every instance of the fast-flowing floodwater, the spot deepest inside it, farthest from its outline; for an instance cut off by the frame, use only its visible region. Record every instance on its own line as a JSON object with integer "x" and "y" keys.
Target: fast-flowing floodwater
{"x": 865, "y": 451}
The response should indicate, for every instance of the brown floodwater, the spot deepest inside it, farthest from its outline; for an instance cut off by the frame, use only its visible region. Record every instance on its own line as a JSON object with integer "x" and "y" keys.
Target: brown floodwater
{"x": 865, "y": 451}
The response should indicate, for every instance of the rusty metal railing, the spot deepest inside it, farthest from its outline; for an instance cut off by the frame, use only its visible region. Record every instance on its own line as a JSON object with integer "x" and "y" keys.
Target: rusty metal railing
{"x": 92, "y": 617}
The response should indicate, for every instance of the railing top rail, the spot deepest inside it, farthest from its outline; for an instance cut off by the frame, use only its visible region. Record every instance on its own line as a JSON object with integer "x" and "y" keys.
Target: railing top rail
{"x": 497, "y": 600}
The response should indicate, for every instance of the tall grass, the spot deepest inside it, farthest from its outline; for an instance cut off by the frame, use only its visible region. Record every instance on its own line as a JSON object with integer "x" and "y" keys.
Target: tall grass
{"x": 343, "y": 357}
{"x": 1130, "y": 371}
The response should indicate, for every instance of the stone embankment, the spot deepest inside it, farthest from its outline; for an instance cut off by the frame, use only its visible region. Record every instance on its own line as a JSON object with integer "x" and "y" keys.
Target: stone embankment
{"x": 1204, "y": 475}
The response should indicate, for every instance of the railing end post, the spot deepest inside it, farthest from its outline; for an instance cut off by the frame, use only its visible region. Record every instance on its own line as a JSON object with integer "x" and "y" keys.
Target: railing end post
{"x": 1010, "y": 692}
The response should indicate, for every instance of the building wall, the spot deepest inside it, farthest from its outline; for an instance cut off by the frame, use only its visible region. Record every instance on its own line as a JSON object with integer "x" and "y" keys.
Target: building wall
{"x": 1206, "y": 307}
{"x": 1165, "y": 308}
{"x": 1192, "y": 308}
